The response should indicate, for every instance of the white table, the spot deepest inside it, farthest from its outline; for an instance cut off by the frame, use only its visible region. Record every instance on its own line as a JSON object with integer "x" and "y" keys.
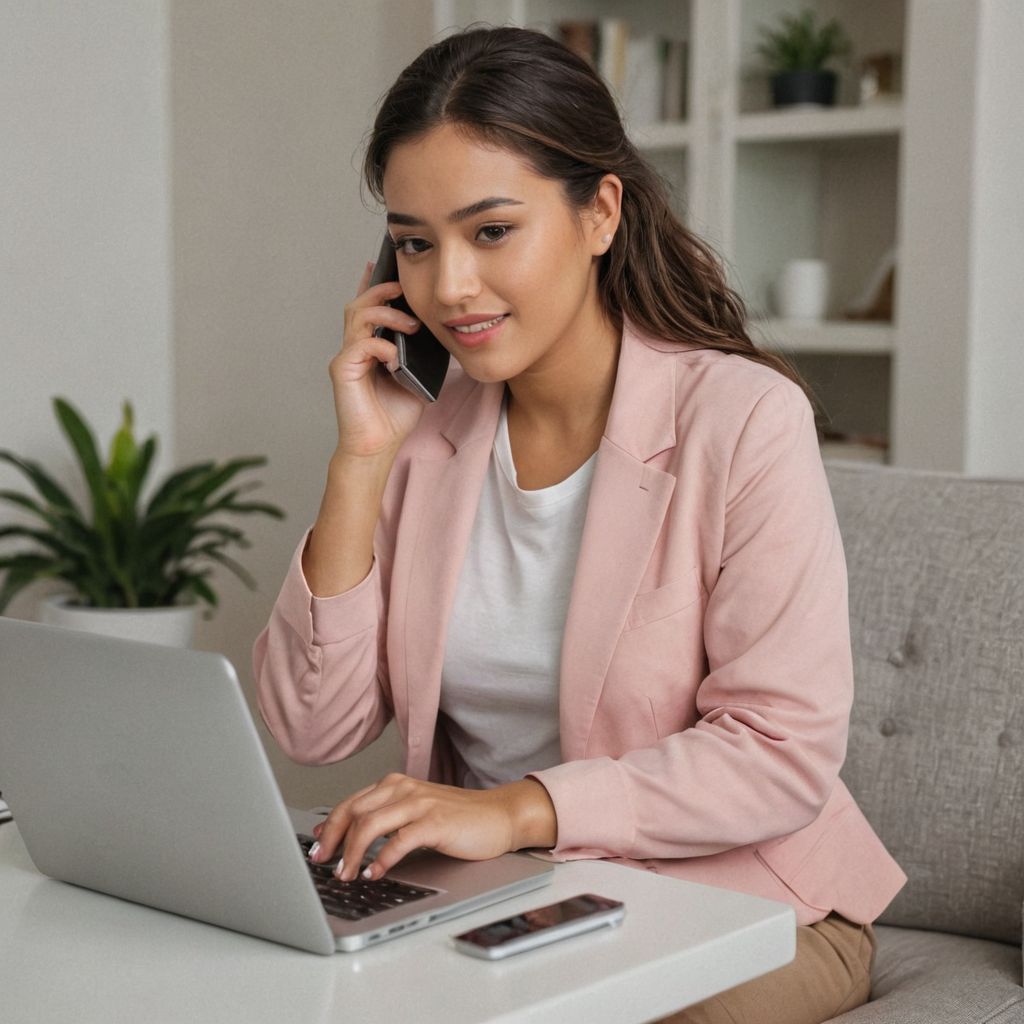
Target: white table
{"x": 67, "y": 954}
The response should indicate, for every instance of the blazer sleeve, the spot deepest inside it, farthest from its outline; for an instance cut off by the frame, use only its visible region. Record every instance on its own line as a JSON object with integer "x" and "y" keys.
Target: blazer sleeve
{"x": 321, "y": 681}
{"x": 774, "y": 706}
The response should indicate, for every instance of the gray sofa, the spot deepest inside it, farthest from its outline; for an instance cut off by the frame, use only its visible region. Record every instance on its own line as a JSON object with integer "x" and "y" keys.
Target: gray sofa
{"x": 936, "y": 751}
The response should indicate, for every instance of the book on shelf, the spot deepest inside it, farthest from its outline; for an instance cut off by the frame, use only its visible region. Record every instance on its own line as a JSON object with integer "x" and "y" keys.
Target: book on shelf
{"x": 647, "y": 73}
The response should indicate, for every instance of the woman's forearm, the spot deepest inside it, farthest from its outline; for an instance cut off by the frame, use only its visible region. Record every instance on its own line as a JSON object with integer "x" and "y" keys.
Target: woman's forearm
{"x": 339, "y": 554}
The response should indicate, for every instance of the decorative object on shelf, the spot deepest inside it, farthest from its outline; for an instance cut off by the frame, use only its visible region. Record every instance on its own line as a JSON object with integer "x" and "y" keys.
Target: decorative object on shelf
{"x": 801, "y": 290}
{"x": 647, "y": 73}
{"x": 796, "y": 54}
{"x": 881, "y": 78}
{"x": 875, "y": 302}
{"x": 131, "y": 570}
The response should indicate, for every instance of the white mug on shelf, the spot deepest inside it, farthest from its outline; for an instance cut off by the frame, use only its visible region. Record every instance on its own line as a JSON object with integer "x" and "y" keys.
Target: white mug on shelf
{"x": 801, "y": 291}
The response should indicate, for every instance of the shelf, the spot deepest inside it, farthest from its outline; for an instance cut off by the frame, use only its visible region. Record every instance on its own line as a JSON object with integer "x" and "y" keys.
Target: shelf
{"x": 845, "y": 451}
{"x": 660, "y": 135}
{"x": 841, "y": 337}
{"x": 820, "y": 123}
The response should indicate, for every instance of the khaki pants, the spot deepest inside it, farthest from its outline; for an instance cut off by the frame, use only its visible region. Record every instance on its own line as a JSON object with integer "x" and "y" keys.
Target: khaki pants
{"x": 830, "y": 974}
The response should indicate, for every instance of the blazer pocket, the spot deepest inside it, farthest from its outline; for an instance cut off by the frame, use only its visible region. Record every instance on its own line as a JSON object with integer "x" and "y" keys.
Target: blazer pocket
{"x": 667, "y": 600}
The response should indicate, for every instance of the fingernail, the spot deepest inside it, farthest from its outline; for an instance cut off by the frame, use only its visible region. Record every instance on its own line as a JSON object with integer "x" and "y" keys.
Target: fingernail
{"x": 340, "y": 868}
{"x": 314, "y": 851}
{"x": 368, "y": 872}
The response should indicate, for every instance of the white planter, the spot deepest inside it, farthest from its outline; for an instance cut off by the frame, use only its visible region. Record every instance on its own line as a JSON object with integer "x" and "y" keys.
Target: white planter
{"x": 174, "y": 627}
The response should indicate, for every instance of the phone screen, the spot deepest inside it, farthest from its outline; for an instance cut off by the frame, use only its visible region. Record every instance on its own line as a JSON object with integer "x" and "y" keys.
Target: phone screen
{"x": 422, "y": 359}
{"x": 540, "y": 919}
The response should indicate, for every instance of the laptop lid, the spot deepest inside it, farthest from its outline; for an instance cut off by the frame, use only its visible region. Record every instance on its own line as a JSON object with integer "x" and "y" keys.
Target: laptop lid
{"x": 136, "y": 770}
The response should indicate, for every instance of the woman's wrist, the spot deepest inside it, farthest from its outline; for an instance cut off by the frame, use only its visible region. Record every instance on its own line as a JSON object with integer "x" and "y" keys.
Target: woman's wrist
{"x": 534, "y": 822}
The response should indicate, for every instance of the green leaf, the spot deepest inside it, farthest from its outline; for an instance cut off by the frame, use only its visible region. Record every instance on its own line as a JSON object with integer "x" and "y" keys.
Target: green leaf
{"x": 84, "y": 445}
{"x": 212, "y": 551}
{"x": 50, "y": 490}
{"x": 50, "y": 540}
{"x": 27, "y": 503}
{"x": 256, "y": 506}
{"x": 141, "y": 468}
{"x": 23, "y": 570}
{"x": 220, "y": 476}
{"x": 201, "y": 589}
{"x": 177, "y": 482}
{"x": 123, "y": 452}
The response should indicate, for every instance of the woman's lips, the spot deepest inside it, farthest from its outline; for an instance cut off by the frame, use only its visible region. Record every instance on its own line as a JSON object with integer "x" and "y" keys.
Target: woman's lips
{"x": 479, "y": 333}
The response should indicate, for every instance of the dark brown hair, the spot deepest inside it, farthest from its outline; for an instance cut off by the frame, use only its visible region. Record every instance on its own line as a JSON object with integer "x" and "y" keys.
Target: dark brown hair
{"x": 524, "y": 91}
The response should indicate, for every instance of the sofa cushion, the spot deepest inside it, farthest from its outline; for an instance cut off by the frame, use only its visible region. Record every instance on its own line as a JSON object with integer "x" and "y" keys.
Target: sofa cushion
{"x": 936, "y": 748}
{"x": 930, "y": 978}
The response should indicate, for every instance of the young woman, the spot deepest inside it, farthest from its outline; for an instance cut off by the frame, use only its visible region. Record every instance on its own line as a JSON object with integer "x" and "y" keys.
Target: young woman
{"x": 598, "y": 584}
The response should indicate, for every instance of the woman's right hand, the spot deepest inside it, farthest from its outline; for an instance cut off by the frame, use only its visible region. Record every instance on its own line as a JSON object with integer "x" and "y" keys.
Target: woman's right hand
{"x": 375, "y": 413}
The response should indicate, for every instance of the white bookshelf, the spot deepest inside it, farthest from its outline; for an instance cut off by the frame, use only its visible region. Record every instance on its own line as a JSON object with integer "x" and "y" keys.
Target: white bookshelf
{"x": 881, "y": 119}
{"x": 657, "y": 136}
{"x": 837, "y": 337}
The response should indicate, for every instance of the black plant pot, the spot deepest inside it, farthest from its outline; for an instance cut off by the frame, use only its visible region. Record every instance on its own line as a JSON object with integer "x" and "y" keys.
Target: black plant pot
{"x": 793, "y": 87}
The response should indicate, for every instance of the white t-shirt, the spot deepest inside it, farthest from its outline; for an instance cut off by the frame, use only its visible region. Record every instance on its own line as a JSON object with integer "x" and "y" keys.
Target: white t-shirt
{"x": 499, "y": 684}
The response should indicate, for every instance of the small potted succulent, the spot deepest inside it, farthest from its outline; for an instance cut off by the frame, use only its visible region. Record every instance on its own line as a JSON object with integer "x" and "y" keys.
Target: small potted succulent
{"x": 133, "y": 568}
{"x": 796, "y": 53}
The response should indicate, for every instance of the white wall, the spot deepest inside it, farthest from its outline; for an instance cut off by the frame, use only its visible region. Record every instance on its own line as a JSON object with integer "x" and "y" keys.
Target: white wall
{"x": 85, "y": 297}
{"x": 996, "y": 357}
{"x": 271, "y": 102}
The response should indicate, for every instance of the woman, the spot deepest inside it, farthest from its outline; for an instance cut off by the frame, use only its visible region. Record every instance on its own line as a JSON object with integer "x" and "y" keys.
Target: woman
{"x": 599, "y": 583}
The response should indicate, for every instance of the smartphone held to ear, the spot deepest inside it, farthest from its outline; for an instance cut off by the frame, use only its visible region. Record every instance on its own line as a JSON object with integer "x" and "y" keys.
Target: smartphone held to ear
{"x": 422, "y": 359}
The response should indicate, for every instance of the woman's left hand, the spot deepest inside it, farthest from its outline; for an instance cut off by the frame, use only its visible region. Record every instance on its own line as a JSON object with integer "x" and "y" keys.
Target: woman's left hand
{"x": 466, "y": 823}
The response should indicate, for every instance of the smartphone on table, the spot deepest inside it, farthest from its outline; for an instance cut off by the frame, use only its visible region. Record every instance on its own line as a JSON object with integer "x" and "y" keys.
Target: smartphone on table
{"x": 540, "y": 926}
{"x": 422, "y": 359}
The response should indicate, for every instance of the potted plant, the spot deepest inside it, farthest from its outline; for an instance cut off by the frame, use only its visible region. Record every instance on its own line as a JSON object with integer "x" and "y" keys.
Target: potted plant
{"x": 133, "y": 569}
{"x": 796, "y": 53}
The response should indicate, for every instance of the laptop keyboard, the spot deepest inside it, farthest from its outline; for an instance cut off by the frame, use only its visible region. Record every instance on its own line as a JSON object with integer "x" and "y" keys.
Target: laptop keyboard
{"x": 358, "y": 899}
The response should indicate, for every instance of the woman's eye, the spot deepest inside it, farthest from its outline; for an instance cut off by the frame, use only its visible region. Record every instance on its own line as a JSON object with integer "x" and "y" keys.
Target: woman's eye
{"x": 408, "y": 246}
{"x": 494, "y": 232}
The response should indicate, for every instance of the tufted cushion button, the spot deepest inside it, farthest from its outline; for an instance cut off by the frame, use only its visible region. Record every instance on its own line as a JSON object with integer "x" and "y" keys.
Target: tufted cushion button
{"x": 1005, "y": 738}
{"x": 888, "y": 727}
{"x": 897, "y": 658}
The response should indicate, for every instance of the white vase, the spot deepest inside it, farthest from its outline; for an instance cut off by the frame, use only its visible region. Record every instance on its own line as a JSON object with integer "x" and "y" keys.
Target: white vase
{"x": 173, "y": 627}
{"x": 801, "y": 291}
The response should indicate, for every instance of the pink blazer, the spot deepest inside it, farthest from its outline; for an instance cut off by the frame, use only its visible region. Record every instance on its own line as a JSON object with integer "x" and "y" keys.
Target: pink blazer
{"x": 706, "y": 674}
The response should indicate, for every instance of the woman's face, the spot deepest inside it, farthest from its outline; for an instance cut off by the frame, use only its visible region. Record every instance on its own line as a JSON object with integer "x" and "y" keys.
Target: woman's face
{"x": 491, "y": 257}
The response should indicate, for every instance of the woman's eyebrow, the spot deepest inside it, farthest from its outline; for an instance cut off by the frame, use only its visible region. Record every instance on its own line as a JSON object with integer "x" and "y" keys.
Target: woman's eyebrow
{"x": 472, "y": 210}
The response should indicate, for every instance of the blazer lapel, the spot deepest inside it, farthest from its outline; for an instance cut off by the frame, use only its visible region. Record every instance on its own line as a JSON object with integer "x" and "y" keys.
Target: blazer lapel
{"x": 446, "y": 491}
{"x": 625, "y": 511}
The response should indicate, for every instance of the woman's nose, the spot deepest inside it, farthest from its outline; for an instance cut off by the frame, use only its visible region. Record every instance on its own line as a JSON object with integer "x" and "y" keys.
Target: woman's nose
{"x": 457, "y": 278}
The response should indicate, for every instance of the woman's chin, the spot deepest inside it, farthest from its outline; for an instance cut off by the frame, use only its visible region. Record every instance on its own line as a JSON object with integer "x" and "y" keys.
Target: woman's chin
{"x": 481, "y": 373}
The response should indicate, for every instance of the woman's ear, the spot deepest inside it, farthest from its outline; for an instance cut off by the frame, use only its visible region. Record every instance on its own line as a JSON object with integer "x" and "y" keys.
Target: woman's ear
{"x": 604, "y": 214}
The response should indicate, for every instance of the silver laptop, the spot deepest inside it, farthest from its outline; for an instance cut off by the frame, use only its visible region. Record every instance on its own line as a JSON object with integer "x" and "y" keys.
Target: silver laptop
{"x": 136, "y": 770}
